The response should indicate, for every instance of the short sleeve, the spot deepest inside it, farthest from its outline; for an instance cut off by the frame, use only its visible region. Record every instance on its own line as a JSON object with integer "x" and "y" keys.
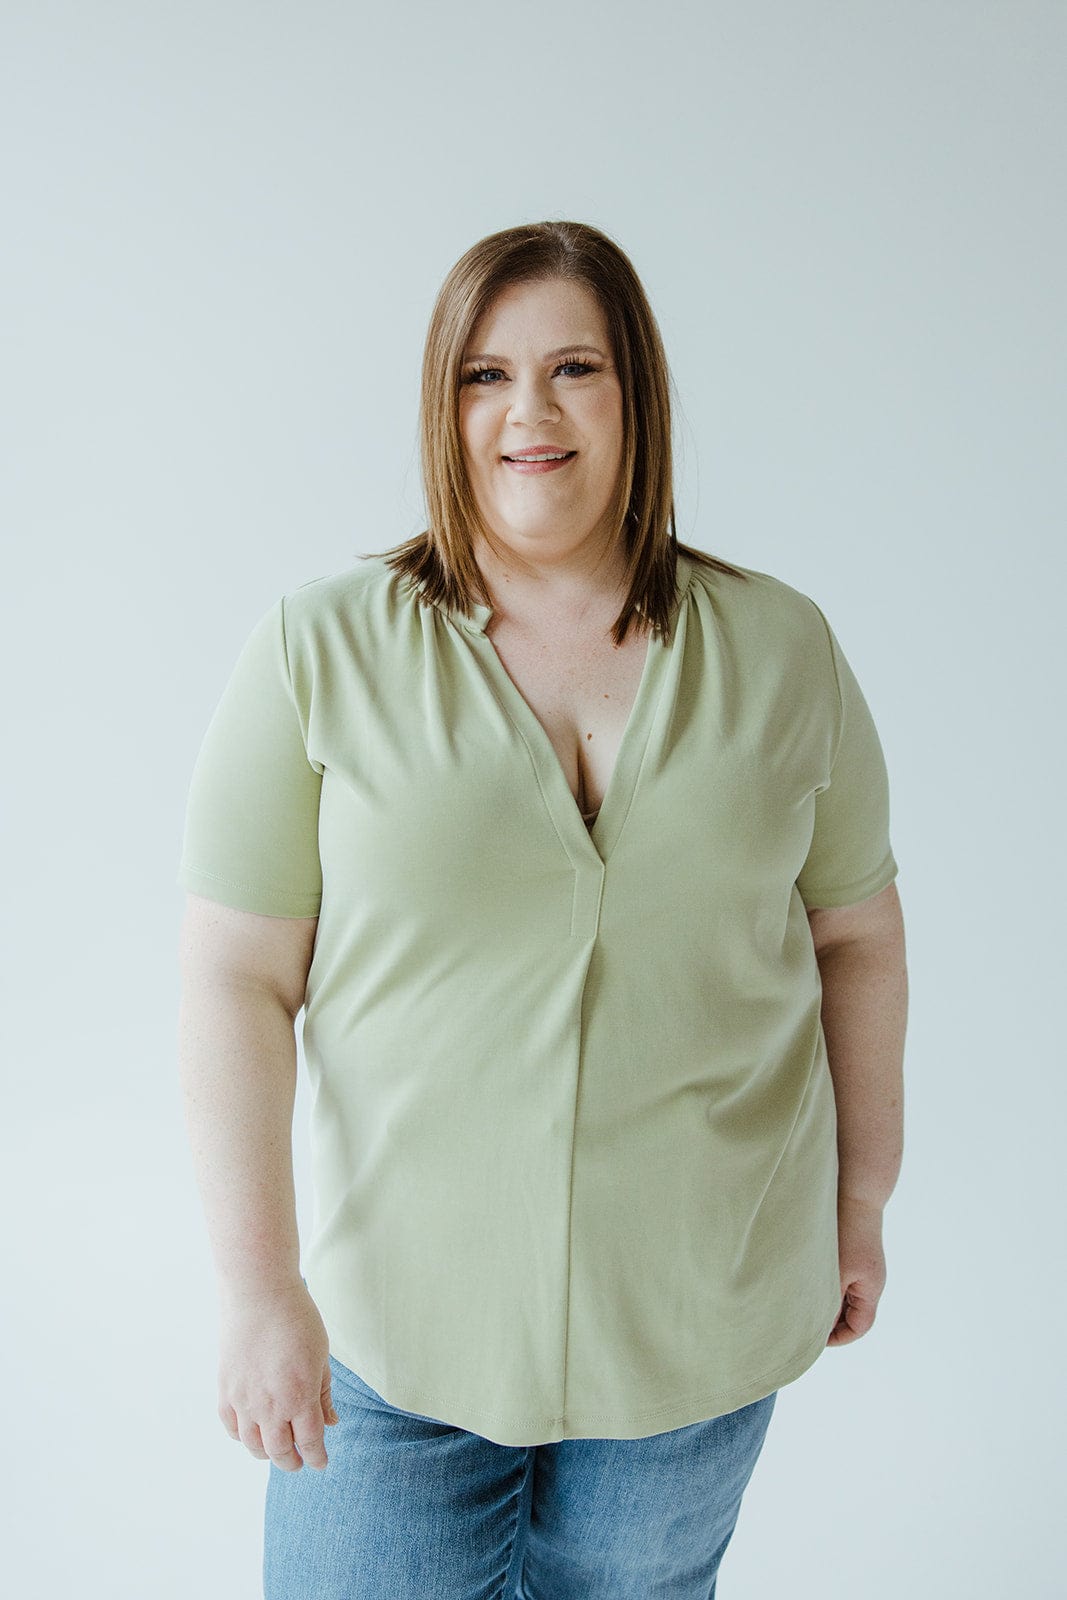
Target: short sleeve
{"x": 850, "y": 857}
{"x": 251, "y": 822}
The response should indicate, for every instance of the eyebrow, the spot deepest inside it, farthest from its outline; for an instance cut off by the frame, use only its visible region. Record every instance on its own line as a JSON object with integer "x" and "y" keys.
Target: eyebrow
{"x": 564, "y": 350}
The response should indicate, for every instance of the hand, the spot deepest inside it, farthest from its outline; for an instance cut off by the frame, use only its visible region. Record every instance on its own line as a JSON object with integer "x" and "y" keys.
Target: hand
{"x": 862, "y": 1264}
{"x": 274, "y": 1376}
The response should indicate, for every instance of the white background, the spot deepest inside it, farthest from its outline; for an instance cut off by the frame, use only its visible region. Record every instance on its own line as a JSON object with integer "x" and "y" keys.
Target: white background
{"x": 224, "y": 228}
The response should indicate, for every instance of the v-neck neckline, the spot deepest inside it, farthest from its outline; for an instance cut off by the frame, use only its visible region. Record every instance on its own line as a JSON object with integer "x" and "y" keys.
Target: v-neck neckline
{"x": 601, "y": 836}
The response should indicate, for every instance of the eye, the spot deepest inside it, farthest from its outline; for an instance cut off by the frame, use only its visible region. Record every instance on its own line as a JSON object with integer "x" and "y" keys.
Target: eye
{"x": 476, "y": 373}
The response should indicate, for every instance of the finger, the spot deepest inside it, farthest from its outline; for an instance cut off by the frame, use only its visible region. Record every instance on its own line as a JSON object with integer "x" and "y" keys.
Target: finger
{"x": 228, "y": 1417}
{"x": 855, "y": 1319}
{"x": 861, "y": 1319}
{"x": 280, "y": 1448}
{"x": 839, "y": 1332}
{"x": 328, "y": 1411}
{"x": 251, "y": 1438}
{"x": 307, "y": 1432}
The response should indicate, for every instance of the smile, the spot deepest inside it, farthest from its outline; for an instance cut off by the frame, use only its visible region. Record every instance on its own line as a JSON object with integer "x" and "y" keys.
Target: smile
{"x": 533, "y": 466}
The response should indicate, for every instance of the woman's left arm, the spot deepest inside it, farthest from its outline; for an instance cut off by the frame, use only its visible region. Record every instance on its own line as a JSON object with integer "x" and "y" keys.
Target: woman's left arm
{"x": 862, "y": 963}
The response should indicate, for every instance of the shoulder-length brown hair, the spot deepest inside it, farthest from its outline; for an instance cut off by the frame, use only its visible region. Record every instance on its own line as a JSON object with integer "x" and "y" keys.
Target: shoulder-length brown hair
{"x": 439, "y": 562}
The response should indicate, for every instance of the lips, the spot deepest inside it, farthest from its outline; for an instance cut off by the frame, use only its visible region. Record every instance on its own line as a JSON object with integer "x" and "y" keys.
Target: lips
{"x": 545, "y": 450}
{"x": 530, "y": 469}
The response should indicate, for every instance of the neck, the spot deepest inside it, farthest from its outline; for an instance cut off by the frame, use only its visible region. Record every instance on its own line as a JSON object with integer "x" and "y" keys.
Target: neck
{"x": 579, "y": 583}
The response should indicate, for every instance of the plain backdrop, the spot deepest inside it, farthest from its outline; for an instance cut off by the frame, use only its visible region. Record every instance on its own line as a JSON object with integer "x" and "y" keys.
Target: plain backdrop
{"x": 224, "y": 227}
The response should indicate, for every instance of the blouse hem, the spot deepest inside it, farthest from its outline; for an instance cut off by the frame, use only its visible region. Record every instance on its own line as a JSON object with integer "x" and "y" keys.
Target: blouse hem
{"x": 583, "y": 1424}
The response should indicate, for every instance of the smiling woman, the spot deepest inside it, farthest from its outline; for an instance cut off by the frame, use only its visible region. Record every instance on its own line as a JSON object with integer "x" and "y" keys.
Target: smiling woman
{"x": 593, "y": 828}
{"x": 542, "y": 338}
{"x": 539, "y": 398}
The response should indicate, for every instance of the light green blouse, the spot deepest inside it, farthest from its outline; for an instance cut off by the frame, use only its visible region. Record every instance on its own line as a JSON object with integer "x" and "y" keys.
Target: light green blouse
{"x": 573, "y": 1127}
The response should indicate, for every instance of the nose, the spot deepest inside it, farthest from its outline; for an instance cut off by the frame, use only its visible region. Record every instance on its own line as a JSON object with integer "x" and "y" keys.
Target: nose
{"x": 532, "y": 402}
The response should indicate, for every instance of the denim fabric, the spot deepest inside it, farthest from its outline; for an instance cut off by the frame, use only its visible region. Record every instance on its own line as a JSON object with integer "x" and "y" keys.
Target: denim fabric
{"x": 410, "y": 1508}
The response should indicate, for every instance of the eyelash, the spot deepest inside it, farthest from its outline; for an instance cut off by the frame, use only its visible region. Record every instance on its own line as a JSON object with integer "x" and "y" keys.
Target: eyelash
{"x": 473, "y": 374}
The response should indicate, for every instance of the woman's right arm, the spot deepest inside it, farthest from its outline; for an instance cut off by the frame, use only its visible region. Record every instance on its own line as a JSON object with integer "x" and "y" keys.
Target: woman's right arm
{"x": 243, "y": 981}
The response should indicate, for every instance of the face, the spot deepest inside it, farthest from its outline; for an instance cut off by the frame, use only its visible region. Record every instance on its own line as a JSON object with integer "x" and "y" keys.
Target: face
{"x": 537, "y": 371}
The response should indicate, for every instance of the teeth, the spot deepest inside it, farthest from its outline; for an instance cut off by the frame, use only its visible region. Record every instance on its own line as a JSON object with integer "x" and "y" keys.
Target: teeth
{"x": 560, "y": 457}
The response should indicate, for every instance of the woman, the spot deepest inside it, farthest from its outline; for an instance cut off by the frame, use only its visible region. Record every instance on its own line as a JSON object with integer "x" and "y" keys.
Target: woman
{"x": 572, "y": 842}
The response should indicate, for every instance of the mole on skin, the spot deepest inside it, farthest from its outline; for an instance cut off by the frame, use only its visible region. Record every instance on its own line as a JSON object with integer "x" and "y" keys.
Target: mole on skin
{"x": 589, "y": 735}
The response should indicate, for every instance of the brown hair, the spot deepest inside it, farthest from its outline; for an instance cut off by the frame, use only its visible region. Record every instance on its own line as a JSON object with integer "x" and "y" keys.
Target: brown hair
{"x": 439, "y": 562}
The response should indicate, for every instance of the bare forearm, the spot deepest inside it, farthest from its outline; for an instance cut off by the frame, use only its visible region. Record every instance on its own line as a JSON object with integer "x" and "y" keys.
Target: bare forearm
{"x": 237, "y": 1060}
{"x": 864, "y": 1014}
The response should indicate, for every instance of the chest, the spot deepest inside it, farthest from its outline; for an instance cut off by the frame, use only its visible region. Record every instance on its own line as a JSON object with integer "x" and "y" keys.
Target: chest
{"x": 582, "y": 691}
{"x": 456, "y": 766}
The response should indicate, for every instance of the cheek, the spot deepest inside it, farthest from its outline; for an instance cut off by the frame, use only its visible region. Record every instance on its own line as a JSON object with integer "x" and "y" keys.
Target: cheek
{"x": 477, "y": 430}
{"x": 605, "y": 415}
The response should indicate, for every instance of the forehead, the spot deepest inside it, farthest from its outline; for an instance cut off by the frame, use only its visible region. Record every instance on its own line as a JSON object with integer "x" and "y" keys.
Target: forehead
{"x": 540, "y": 316}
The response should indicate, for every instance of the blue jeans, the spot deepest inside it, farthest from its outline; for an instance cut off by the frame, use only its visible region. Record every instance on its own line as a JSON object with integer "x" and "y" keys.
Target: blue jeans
{"x": 409, "y": 1508}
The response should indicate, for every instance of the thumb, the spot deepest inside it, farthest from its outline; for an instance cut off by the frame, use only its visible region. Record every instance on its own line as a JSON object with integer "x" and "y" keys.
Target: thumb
{"x": 327, "y": 1403}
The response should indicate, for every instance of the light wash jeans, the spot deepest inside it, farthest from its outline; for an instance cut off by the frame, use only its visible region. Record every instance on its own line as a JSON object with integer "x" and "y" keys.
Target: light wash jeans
{"x": 409, "y": 1508}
